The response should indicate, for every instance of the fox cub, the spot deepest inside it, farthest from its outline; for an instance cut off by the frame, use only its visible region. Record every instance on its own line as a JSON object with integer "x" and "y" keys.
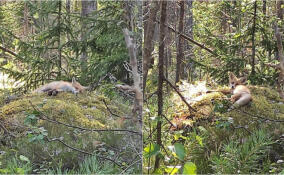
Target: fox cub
{"x": 54, "y": 87}
{"x": 241, "y": 94}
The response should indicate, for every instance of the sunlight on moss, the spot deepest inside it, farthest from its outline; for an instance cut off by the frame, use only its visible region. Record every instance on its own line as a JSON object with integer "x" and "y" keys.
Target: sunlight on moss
{"x": 86, "y": 110}
{"x": 266, "y": 102}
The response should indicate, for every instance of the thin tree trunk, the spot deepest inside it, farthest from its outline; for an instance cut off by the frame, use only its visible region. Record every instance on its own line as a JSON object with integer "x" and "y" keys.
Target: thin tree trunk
{"x": 26, "y": 22}
{"x": 59, "y": 40}
{"x": 161, "y": 77}
{"x": 279, "y": 4}
{"x": 148, "y": 40}
{"x": 180, "y": 55}
{"x": 253, "y": 39}
{"x": 189, "y": 31}
{"x": 88, "y": 6}
{"x": 264, "y": 7}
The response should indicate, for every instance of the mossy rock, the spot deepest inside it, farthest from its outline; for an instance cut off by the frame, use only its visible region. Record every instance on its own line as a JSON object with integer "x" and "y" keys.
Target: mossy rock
{"x": 84, "y": 110}
{"x": 266, "y": 103}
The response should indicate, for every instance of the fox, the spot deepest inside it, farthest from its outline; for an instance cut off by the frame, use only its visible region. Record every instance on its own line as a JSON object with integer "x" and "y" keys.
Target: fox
{"x": 241, "y": 94}
{"x": 53, "y": 88}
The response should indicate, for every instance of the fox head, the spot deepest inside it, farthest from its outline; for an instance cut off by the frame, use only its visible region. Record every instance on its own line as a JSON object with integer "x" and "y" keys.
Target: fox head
{"x": 234, "y": 81}
{"x": 78, "y": 86}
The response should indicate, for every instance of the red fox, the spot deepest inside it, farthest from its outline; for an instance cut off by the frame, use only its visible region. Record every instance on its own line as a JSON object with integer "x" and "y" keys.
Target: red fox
{"x": 61, "y": 86}
{"x": 241, "y": 94}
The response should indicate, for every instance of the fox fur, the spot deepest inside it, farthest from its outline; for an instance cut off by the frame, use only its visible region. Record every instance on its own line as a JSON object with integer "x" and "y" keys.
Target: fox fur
{"x": 61, "y": 86}
{"x": 241, "y": 94}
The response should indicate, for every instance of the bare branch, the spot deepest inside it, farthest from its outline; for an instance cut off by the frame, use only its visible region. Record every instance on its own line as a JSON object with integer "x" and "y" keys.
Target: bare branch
{"x": 182, "y": 97}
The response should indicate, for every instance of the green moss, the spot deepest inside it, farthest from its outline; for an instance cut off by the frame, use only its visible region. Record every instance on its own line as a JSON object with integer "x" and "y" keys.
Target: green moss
{"x": 86, "y": 110}
{"x": 266, "y": 103}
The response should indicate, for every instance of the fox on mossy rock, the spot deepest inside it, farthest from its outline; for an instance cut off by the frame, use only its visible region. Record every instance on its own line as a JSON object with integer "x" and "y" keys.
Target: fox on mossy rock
{"x": 241, "y": 94}
{"x": 53, "y": 88}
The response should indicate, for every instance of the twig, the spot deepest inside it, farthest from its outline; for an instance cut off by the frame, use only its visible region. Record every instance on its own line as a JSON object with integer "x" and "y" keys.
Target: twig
{"x": 109, "y": 109}
{"x": 272, "y": 120}
{"x": 182, "y": 97}
{"x": 130, "y": 166}
{"x": 6, "y": 130}
{"x": 191, "y": 40}
{"x": 172, "y": 125}
{"x": 239, "y": 127}
{"x": 81, "y": 151}
{"x": 81, "y": 128}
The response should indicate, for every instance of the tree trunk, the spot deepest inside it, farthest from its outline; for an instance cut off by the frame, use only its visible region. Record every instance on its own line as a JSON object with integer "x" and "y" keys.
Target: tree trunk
{"x": 26, "y": 22}
{"x": 88, "y": 6}
{"x": 59, "y": 40}
{"x": 264, "y": 7}
{"x": 253, "y": 39}
{"x": 161, "y": 77}
{"x": 189, "y": 32}
{"x": 149, "y": 27}
{"x": 180, "y": 55}
{"x": 279, "y": 4}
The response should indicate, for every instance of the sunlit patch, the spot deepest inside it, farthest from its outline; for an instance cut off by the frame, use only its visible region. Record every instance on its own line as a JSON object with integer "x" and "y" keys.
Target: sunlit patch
{"x": 192, "y": 92}
{"x": 7, "y": 83}
{"x": 197, "y": 97}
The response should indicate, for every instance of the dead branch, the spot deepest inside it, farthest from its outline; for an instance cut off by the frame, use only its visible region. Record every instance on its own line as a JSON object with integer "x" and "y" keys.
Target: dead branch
{"x": 181, "y": 96}
{"x": 138, "y": 102}
{"x": 260, "y": 117}
{"x": 9, "y": 51}
{"x": 6, "y": 130}
{"x": 191, "y": 40}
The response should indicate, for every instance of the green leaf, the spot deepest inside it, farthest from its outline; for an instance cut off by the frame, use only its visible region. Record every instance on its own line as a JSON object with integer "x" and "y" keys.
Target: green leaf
{"x": 199, "y": 140}
{"x": 171, "y": 169}
{"x": 20, "y": 171}
{"x": 151, "y": 150}
{"x": 24, "y": 158}
{"x": 189, "y": 168}
{"x": 180, "y": 151}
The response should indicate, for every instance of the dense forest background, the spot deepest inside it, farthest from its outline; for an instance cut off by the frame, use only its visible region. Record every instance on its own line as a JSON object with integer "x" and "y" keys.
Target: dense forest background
{"x": 189, "y": 48}
{"x": 58, "y": 40}
{"x": 99, "y": 43}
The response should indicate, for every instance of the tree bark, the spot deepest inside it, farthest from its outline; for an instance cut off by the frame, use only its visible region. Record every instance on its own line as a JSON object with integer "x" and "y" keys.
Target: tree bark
{"x": 253, "y": 39}
{"x": 279, "y": 3}
{"x": 59, "y": 40}
{"x": 161, "y": 77}
{"x": 149, "y": 29}
{"x": 264, "y": 7}
{"x": 280, "y": 81}
{"x": 88, "y": 6}
{"x": 189, "y": 31}
{"x": 180, "y": 55}
{"x": 137, "y": 109}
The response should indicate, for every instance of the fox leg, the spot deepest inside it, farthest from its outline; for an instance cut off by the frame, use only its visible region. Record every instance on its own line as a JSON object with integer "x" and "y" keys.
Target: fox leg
{"x": 243, "y": 100}
{"x": 240, "y": 100}
{"x": 235, "y": 97}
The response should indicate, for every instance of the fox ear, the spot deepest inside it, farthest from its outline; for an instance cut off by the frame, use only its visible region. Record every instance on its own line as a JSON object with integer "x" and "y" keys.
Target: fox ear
{"x": 243, "y": 80}
{"x": 232, "y": 76}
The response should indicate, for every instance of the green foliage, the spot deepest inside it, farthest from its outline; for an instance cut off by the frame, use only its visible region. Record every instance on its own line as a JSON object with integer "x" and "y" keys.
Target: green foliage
{"x": 244, "y": 157}
{"x": 227, "y": 28}
{"x": 189, "y": 168}
{"x": 41, "y": 137}
{"x": 43, "y": 58}
{"x": 17, "y": 165}
{"x": 91, "y": 165}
